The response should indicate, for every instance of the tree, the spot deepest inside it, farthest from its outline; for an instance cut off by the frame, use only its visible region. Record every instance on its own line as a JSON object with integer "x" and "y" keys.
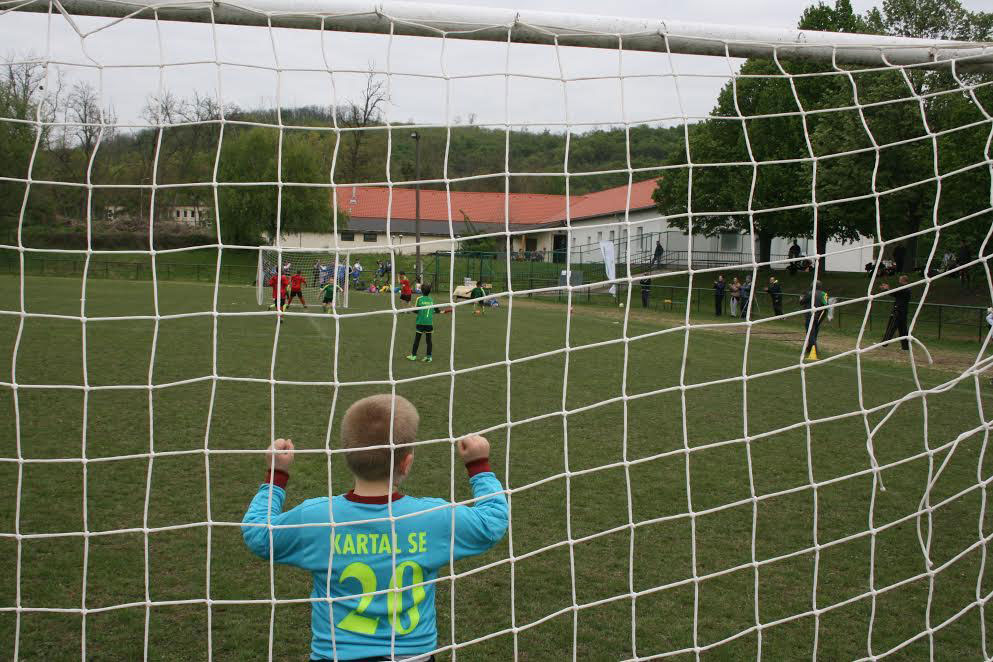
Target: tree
{"x": 21, "y": 86}
{"x": 902, "y": 109}
{"x": 762, "y": 180}
{"x": 766, "y": 125}
{"x": 359, "y": 115}
{"x": 248, "y": 214}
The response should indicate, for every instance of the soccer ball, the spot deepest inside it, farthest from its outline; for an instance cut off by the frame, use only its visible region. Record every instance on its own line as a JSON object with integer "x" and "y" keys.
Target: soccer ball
{"x": 620, "y": 305}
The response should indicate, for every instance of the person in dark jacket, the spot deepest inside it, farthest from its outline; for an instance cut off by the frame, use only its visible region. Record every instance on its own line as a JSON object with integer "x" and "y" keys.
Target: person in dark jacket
{"x": 899, "y": 257}
{"x": 962, "y": 258}
{"x": 746, "y": 294}
{"x": 646, "y": 289}
{"x": 898, "y": 316}
{"x": 657, "y": 256}
{"x": 719, "y": 286}
{"x": 776, "y": 293}
{"x": 816, "y": 307}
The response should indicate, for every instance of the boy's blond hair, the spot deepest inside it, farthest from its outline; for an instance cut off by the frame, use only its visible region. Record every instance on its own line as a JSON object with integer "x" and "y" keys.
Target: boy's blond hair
{"x": 367, "y": 423}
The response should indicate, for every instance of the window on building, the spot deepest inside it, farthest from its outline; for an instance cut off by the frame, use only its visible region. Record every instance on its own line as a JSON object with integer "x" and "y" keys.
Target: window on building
{"x": 729, "y": 243}
{"x": 346, "y": 236}
{"x": 369, "y": 237}
{"x": 177, "y": 213}
{"x": 599, "y": 236}
{"x": 611, "y": 235}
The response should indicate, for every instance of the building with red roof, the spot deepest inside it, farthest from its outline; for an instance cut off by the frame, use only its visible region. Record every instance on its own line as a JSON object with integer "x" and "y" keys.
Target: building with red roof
{"x": 379, "y": 216}
{"x": 540, "y": 226}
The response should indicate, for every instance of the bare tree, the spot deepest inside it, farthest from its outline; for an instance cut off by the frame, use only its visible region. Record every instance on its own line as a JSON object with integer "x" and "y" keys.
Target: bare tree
{"x": 366, "y": 112}
{"x": 87, "y": 123}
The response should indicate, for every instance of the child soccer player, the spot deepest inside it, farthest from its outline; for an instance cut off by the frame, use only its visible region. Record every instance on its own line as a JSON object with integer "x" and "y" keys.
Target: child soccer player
{"x": 278, "y": 284}
{"x": 477, "y": 295}
{"x": 327, "y": 294}
{"x": 372, "y": 553}
{"x": 297, "y": 283}
{"x": 405, "y": 291}
{"x": 424, "y": 323}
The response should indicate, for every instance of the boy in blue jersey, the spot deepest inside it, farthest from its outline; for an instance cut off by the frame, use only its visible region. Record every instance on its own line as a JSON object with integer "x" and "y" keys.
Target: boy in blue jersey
{"x": 363, "y": 555}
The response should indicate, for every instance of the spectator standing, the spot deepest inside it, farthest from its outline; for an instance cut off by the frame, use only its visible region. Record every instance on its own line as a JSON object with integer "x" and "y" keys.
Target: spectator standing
{"x": 963, "y": 258}
{"x": 657, "y": 256}
{"x": 646, "y": 289}
{"x": 719, "y": 286}
{"x": 898, "y": 316}
{"x": 899, "y": 257}
{"x": 776, "y": 294}
{"x": 793, "y": 253}
{"x": 735, "y": 296}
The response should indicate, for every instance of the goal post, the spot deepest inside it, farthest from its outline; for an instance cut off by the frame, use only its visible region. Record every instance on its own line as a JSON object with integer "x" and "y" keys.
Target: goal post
{"x": 679, "y": 482}
{"x": 537, "y": 27}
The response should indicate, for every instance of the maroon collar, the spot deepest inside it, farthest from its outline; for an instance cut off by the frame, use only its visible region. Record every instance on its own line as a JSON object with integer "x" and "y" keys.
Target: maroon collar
{"x": 383, "y": 499}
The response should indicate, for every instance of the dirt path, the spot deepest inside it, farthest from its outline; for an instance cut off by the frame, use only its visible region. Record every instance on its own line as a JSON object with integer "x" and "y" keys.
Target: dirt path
{"x": 944, "y": 358}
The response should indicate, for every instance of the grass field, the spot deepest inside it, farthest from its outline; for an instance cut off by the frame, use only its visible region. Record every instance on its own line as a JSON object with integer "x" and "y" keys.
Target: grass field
{"x": 677, "y": 504}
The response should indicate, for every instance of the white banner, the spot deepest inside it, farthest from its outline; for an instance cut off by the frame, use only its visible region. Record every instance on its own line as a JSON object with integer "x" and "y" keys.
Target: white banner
{"x": 609, "y": 262}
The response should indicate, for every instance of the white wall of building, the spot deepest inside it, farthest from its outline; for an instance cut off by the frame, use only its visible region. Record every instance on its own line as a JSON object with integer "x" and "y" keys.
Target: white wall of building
{"x": 330, "y": 241}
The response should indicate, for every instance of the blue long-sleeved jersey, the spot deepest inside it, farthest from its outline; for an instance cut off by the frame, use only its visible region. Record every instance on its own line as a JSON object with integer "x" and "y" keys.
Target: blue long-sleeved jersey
{"x": 359, "y": 555}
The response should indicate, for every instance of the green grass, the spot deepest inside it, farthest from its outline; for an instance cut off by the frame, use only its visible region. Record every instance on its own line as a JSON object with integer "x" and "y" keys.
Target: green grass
{"x": 696, "y": 455}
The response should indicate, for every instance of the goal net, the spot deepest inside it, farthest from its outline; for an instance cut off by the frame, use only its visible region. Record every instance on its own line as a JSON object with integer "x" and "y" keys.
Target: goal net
{"x": 316, "y": 269}
{"x": 735, "y": 385}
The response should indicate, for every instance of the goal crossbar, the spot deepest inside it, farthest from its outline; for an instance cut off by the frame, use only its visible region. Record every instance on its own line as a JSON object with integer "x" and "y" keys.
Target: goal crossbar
{"x": 538, "y": 27}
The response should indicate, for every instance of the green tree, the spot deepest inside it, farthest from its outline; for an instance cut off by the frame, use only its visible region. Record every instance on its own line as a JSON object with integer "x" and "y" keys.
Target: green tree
{"x": 249, "y": 213}
{"x": 766, "y": 123}
{"x": 20, "y": 89}
{"x": 752, "y": 168}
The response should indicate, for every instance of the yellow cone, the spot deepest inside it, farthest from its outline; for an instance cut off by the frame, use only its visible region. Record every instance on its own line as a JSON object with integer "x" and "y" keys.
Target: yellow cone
{"x": 813, "y": 354}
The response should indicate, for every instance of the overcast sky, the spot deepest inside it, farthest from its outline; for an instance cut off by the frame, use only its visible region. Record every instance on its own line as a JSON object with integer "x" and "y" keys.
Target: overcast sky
{"x": 413, "y": 97}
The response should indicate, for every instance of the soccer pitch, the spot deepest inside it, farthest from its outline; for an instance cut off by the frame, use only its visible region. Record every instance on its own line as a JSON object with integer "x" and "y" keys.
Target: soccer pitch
{"x": 671, "y": 501}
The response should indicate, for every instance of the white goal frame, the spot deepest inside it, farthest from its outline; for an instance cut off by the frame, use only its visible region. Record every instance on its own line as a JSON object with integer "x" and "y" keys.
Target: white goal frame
{"x": 537, "y": 27}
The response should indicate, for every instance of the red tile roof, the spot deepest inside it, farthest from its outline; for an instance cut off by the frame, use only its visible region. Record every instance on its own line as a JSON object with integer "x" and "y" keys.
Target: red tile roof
{"x": 611, "y": 201}
{"x": 524, "y": 208}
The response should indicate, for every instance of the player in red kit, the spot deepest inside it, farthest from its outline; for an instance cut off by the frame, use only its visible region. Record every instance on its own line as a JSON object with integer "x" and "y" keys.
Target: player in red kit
{"x": 297, "y": 283}
{"x": 405, "y": 289}
{"x": 278, "y": 284}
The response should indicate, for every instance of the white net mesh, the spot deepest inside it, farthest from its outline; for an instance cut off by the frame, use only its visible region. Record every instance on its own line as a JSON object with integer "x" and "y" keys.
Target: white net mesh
{"x": 679, "y": 482}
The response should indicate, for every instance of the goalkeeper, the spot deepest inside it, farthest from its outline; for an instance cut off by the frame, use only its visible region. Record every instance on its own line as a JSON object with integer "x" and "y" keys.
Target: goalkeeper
{"x": 816, "y": 306}
{"x": 382, "y": 539}
{"x": 327, "y": 294}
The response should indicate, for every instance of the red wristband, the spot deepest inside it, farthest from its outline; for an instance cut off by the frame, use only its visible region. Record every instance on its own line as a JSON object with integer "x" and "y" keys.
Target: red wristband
{"x": 478, "y": 466}
{"x": 277, "y": 477}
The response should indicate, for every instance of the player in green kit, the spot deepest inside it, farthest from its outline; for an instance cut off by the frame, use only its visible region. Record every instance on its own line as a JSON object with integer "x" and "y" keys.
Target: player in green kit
{"x": 327, "y": 294}
{"x": 477, "y": 295}
{"x": 425, "y": 322}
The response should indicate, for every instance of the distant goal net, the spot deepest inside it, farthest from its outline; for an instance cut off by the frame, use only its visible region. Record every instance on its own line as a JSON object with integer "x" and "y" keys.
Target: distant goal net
{"x": 805, "y": 477}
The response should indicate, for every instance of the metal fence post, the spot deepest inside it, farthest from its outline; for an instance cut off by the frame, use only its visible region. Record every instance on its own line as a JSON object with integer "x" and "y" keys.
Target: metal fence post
{"x": 939, "y": 321}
